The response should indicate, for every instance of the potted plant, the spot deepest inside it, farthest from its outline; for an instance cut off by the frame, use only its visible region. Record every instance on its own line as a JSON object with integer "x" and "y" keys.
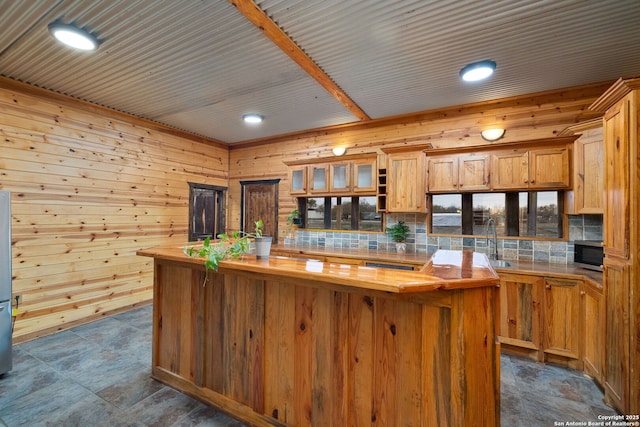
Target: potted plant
{"x": 263, "y": 243}
{"x": 234, "y": 245}
{"x": 399, "y": 233}
{"x": 293, "y": 220}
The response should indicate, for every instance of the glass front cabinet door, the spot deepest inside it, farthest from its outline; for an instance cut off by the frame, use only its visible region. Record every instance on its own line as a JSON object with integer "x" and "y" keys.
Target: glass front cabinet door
{"x": 340, "y": 178}
{"x": 298, "y": 179}
{"x": 319, "y": 178}
{"x": 364, "y": 176}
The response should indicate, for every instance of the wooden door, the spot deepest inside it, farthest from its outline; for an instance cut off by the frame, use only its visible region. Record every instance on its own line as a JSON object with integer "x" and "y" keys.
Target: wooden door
{"x": 510, "y": 170}
{"x": 260, "y": 201}
{"x": 443, "y": 174}
{"x": 473, "y": 172}
{"x": 549, "y": 168}
{"x": 561, "y": 316}
{"x": 520, "y": 312}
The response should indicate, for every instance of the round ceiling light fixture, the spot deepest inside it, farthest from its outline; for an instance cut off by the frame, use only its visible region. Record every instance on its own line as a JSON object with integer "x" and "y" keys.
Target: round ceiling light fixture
{"x": 477, "y": 71}
{"x": 73, "y": 36}
{"x": 252, "y": 118}
{"x": 339, "y": 150}
{"x": 492, "y": 134}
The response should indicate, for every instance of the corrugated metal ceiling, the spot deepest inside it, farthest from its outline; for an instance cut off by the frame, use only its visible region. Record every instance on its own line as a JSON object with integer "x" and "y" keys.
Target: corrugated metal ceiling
{"x": 200, "y": 65}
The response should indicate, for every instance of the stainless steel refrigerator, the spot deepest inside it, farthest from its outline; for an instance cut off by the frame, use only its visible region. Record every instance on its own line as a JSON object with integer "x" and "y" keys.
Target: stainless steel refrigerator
{"x": 5, "y": 282}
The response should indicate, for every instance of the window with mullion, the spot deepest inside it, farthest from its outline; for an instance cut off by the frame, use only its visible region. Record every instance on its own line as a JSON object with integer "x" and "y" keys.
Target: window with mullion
{"x": 526, "y": 214}
{"x": 340, "y": 213}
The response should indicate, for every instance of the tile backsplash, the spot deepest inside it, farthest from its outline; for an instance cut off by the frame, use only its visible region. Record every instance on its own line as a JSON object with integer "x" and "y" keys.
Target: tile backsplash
{"x": 581, "y": 227}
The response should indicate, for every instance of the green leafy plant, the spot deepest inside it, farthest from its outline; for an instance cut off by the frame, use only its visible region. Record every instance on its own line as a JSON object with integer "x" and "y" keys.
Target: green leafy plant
{"x": 291, "y": 218}
{"x": 259, "y": 226}
{"x": 234, "y": 246}
{"x": 398, "y": 232}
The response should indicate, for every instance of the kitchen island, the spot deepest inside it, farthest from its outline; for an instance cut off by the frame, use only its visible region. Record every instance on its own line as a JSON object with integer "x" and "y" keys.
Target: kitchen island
{"x": 295, "y": 342}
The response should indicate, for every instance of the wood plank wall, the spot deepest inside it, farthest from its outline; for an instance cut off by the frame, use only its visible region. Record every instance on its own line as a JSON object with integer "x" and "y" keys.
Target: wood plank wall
{"x": 535, "y": 116}
{"x": 90, "y": 187}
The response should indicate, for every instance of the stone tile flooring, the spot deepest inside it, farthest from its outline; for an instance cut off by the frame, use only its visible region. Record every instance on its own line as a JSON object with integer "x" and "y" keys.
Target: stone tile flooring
{"x": 98, "y": 375}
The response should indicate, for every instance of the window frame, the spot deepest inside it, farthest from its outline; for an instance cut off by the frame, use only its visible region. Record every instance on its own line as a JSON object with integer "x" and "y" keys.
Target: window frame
{"x": 355, "y": 214}
{"x": 512, "y": 226}
{"x": 219, "y": 221}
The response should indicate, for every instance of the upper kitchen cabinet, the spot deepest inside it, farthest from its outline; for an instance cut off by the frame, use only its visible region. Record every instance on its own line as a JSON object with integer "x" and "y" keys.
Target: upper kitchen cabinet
{"x": 339, "y": 177}
{"x": 335, "y": 176}
{"x": 549, "y": 168}
{"x": 473, "y": 172}
{"x": 617, "y": 218}
{"x": 510, "y": 169}
{"x": 319, "y": 178}
{"x": 443, "y": 174}
{"x": 458, "y": 173}
{"x": 406, "y": 182}
{"x": 298, "y": 180}
{"x": 531, "y": 169}
{"x": 588, "y": 165}
{"x": 364, "y": 175}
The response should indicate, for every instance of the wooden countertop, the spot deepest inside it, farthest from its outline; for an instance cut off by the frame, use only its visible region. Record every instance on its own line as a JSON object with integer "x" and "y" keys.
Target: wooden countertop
{"x": 418, "y": 259}
{"x": 445, "y": 270}
{"x": 536, "y": 268}
{"x": 550, "y": 269}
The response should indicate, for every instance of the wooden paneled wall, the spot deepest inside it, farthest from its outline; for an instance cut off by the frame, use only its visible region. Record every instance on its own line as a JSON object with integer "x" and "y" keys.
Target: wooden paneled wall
{"x": 90, "y": 186}
{"x": 535, "y": 116}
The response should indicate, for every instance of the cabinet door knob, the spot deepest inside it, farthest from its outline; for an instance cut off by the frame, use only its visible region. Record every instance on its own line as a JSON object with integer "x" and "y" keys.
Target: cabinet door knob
{"x": 548, "y": 286}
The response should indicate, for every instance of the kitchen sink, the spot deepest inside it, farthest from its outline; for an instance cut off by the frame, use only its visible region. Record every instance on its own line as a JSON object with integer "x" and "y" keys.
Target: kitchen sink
{"x": 499, "y": 263}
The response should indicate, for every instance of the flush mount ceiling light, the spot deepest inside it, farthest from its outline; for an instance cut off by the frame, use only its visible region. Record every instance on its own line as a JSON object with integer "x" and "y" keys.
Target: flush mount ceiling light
{"x": 252, "y": 118}
{"x": 339, "y": 151}
{"x": 492, "y": 134}
{"x": 73, "y": 36}
{"x": 477, "y": 71}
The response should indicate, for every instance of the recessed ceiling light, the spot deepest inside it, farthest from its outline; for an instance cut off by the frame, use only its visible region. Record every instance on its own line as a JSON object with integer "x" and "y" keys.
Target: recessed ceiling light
{"x": 477, "y": 71}
{"x": 73, "y": 36}
{"x": 252, "y": 118}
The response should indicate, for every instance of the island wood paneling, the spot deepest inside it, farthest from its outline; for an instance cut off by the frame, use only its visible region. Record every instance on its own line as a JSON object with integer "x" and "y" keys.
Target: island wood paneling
{"x": 90, "y": 187}
{"x": 279, "y": 350}
{"x": 535, "y": 116}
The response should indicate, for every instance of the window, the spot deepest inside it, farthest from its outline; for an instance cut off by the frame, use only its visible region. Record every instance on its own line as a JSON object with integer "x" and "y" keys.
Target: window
{"x": 206, "y": 211}
{"x": 340, "y": 213}
{"x": 530, "y": 214}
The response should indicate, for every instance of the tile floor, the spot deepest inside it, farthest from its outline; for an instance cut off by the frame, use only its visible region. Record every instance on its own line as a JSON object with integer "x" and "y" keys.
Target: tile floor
{"x": 98, "y": 375}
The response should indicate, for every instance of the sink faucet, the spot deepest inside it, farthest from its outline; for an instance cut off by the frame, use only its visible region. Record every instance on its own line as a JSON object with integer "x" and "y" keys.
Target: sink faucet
{"x": 493, "y": 255}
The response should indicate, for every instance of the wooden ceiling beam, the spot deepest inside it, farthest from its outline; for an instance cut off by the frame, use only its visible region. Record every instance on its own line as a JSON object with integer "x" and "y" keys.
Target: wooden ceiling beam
{"x": 269, "y": 28}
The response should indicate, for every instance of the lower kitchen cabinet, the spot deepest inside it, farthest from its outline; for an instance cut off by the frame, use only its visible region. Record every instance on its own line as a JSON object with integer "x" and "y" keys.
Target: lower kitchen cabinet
{"x": 616, "y": 343}
{"x": 562, "y": 315}
{"x": 545, "y": 318}
{"x": 520, "y": 311}
{"x": 593, "y": 356}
